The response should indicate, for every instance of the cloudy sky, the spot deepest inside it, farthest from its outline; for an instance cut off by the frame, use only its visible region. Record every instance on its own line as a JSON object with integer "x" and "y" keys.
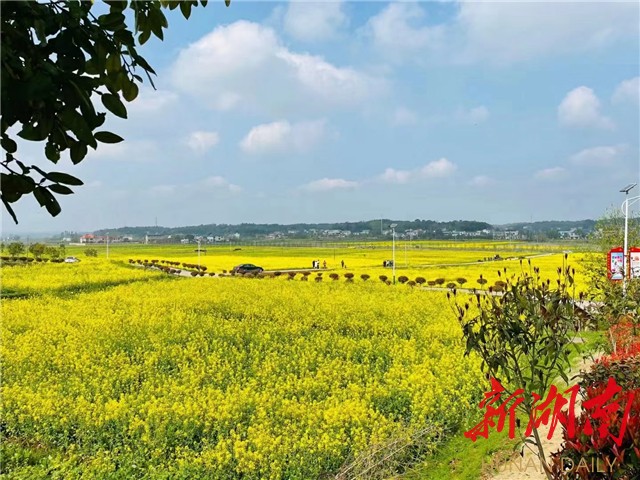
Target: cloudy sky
{"x": 335, "y": 111}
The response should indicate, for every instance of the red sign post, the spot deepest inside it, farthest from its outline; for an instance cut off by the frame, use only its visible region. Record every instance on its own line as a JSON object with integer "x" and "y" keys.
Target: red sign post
{"x": 615, "y": 263}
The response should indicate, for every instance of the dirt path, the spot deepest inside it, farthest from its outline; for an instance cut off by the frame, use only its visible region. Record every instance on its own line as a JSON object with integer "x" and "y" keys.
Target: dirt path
{"x": 528, "y": 466}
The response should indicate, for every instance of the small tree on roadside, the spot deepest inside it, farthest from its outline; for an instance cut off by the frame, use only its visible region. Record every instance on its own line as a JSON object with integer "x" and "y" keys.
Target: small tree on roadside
{"x": 52, "y": 252}
{"x": 403, "y": 279}
{"x": 92, "y": 252}
{"x": 383, "y": 278}
{"x": 15, "y": 249}
{"x": 440, "y": 281}
{"x": 420, "y": 280}
{"x": 37, "y": 249}
{"x": 461, "y": 281}
{"x": 365, "y": 277}
{"x": 523, "y": 336}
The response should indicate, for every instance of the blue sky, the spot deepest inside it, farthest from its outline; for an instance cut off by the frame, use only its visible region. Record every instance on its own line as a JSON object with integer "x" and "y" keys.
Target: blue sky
{"x": 337, "y": 111}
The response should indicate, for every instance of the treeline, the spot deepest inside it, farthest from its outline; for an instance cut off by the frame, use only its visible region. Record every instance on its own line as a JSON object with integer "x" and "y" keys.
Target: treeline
{"x": 375, "y": 228}
{"x": 552, "y": 225}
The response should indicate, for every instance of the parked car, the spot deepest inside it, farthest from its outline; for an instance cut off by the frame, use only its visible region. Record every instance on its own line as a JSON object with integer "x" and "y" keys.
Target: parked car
{"x": 71, "y": 260}
{"x": 247, "y": 268}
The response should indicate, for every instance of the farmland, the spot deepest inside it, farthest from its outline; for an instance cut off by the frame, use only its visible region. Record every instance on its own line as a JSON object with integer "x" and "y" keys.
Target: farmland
{"x": 115, "y": 371}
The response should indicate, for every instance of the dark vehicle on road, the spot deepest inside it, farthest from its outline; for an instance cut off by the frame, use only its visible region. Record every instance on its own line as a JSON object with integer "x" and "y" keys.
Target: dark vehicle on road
{"x": 247, "y": 268}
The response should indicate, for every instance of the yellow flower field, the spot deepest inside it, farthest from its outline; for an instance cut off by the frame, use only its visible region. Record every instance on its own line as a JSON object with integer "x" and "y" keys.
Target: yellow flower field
{"x": 116, "y": 371}
{"x": 222, "y": 378}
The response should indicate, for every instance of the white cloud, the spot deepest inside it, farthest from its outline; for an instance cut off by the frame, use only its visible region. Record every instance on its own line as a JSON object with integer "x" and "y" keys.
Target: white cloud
{"x": 201, "y": 141}
{"x": 553, "y": 173}
{"x": 392, "y": 175}
{"x": 581, "y": 108}
{"x": 396, "y": 30}
{"x": 245, "y": 66}
{"x": 220, "y": 183}
{"x": 503, "y": 32}
{"x": 314, "y": 21}
{"x": 152, "y": 101}
{"x": 597, "y": 156}
{"x": 628, "y": 92}
{"x": 474, "y": 115}
{"x": 481, "y": 181}
{"x": 126, "y": 151}
{"x": 437, "y": 169}
{"x": 336, "y": 86}
{"x": 404, "y": 116}
{"x": 283, "y": 136}
{"x": 327, "y": 184}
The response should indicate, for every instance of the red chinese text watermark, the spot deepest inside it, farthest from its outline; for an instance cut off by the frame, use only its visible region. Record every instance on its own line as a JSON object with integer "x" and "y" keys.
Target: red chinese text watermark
{"x": 550, "y": 411}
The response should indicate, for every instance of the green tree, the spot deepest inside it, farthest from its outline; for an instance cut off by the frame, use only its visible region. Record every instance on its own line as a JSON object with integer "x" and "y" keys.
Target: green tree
{"x": 91, "y": 252}
{"x": 57, "y": 57}
{"x": 15, "y": 248}
{"x": 37, "y": 249}
{"x": 523, "y": 336}
{"x": 52, "y": 252}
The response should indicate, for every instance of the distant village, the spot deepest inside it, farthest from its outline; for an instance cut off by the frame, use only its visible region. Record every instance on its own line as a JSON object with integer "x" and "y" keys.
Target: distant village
{"x": 318, "y": 234}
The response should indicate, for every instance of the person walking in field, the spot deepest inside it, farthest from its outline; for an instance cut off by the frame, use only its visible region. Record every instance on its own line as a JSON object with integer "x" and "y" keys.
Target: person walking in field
{"x": 342, "y": 263}
{"x": 324, "y": 264}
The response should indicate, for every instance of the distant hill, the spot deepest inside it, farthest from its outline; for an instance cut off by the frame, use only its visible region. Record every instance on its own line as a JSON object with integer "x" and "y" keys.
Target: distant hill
{"x": 425, "y": 229}
{"x": 548, "y": 225}
{"x": 372, "y": 227}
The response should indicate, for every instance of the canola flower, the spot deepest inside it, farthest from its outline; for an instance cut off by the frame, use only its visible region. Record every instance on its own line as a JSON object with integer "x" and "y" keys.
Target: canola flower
{"x": 220, "y": 378}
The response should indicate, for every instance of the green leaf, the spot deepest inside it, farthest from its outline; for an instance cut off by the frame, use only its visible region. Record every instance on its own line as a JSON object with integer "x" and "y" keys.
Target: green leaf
{"x": 78, "y": 152}
{"x": 33, "y": 133}
{"x": 140, "y": 60}
{"x": 130, "y": 91}
{"x": 61, "y": 189}
{"x": 185, "y": 8}
{"x": 52, "y": 152}
{"x": 227, "y": 2}
{"x": 8, "y": 144}
{"x": 114, "y": 105}
{"x": 10, "y": 210}
{"x": 144, "y": 36}
{"x": 113, "y": 63}
{"x": 108, "y": 137}
{"x": 60, "y": 177}
{"x": 46, "y": 199}
{"x": 112, "y": 21}
{"x": 157, "y": 30}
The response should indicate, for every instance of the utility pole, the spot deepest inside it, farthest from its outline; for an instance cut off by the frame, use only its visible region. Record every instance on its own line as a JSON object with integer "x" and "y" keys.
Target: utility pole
{"x": 393, "y": 249}
{"x": 199, "y": 253}
{"x": 625, "y": 270}
{"x": 107, "y": 245}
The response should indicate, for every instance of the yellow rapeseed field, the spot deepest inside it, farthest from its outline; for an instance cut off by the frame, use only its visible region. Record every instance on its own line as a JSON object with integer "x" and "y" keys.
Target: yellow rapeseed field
{"x": 115, "y": 371}
{"x": 219, "y": 378}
